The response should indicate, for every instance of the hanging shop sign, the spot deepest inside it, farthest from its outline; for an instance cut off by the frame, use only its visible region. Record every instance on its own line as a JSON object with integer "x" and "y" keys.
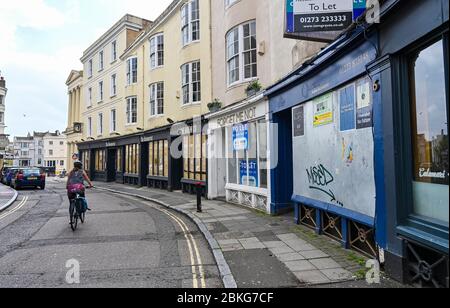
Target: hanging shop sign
{"x": 321, "y": 20}
{"x": 323, "y": 110}
{"x": 249, "y": 172}
{"x": 240, "y": 137}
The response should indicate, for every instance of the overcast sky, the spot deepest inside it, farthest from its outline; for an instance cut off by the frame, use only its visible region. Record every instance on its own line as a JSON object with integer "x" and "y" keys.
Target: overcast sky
{"x": 41, "y": 41}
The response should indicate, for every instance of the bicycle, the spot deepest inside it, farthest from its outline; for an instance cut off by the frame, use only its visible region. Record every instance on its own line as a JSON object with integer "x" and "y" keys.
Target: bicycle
{"x": 77, "y": 211}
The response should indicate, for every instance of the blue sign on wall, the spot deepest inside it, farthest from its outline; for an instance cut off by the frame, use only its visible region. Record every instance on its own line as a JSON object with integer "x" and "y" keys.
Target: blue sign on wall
{"x": 249, "y": 172}
{"x": 347, "y": 105}
{"x": 240, "y": 137}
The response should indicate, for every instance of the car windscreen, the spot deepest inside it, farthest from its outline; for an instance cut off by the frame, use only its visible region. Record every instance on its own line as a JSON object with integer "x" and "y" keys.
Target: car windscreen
{"x": 31, "y": 172}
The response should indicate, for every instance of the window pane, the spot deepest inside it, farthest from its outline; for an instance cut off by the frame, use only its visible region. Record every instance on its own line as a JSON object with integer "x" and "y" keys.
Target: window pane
{"x": 430, "y": 134}
{"x": 262, "y": 153}
{"x": 150, "y": 159}
{"x": 253, "y": 156}
{"x": 166, "y": 158}
{"x": 231, "y": 158}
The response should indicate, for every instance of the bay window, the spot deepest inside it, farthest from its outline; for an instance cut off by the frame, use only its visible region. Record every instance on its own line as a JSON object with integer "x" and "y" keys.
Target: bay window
{"x": 131, "y": 110}
{"x": 132, "y": 67}
{"x": 157, "y": 99}
{"x": 157, "y": 51}
{"x": 190, "y": 22}
{"x": 241, "y": 53}
{"x": 191, "y": 82}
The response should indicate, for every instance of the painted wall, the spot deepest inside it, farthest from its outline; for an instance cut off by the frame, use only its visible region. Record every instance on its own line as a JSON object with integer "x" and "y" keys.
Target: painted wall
{"x": 58, "y": 144}
{"x": 334, "y": 162}
{"x": 175, "y": 55}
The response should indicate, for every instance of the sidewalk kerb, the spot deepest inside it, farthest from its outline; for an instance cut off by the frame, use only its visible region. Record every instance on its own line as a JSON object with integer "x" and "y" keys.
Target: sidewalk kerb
{"x": 10, "y": 202}
{"x": 225, "y": 272}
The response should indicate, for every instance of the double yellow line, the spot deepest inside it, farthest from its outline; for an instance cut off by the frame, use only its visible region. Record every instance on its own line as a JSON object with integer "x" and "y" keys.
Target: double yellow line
{"x": 18, "y": 207}
{"x": 194, "y": 253}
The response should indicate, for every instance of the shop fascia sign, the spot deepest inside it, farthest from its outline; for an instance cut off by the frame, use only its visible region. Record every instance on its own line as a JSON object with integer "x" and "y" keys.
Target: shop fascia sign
{"x": 321, "y": 20}
{"x": 110, "y": 144}
{"x": 237, "y": 117}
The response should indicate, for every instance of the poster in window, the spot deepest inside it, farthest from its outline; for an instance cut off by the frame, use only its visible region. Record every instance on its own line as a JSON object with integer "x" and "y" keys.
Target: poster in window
{"x": 364, "y": 104}
{"x": 249, "y": 172}
{"x": 323, "y": 110}
{"x": 347, "y": 108}
{"x": 298, "y": 118}
{"x": 240, "y": 137}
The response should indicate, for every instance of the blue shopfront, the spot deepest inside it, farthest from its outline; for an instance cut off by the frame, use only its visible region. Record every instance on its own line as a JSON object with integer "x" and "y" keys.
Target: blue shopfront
{"x": 368, "y": 145}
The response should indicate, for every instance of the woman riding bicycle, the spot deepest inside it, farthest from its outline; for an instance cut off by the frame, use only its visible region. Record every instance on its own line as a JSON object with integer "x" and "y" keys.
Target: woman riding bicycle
{"x": 75, "y": 181}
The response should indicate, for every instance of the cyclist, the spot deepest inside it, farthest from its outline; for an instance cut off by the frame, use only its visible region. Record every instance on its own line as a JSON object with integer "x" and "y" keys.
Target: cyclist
{"x": 75, "y": 181}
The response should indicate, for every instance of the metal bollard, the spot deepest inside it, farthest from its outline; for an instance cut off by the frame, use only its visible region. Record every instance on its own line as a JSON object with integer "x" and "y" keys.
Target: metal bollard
{"x": 199, "y": 197}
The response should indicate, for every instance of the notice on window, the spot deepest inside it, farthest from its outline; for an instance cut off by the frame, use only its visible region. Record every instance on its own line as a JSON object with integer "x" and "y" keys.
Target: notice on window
{"x": 323, "y": 110}
{"x": 347, "y": 108}
{"x": 298, "y": 121}
{"x": 249, "y": 172}
{"x": 364, "y": 114}
{"x": 240, "y": 137}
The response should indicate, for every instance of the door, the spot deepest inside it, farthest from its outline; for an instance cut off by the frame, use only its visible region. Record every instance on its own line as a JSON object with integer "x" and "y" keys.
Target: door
{"x": 111, "y": 165}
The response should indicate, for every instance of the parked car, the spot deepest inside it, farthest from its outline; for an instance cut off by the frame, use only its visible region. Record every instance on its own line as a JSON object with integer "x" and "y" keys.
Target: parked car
{"x": 8, "y": 175}
{"x": 28, "y": 177}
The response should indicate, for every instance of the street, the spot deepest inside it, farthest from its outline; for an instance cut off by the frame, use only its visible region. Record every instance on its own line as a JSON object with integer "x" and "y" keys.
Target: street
{"x": 125, "y": 242}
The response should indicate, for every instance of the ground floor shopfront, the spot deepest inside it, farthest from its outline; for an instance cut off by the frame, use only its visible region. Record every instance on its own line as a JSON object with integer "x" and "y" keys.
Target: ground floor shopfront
{"x": 238, "y": 154}
{"x": 167, "y": 158}
{"x": 364, "y": 129}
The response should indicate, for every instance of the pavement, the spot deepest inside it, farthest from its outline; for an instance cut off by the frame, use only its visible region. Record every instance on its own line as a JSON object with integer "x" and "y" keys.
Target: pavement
{"x": 7, "y": 196}
{"x": 255, "y": 250}
{"x": 125, "y": 242}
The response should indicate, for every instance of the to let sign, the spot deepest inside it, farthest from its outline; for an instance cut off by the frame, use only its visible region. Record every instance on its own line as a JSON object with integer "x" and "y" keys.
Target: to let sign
{"x": 317, "y": 17}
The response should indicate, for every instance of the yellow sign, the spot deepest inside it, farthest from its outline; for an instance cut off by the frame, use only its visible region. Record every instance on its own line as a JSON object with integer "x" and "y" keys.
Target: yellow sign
{"x": 323, "y": 110}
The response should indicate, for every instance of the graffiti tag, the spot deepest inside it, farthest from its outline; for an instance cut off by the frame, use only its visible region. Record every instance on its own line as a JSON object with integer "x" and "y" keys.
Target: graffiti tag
{"x": 319, "y": 178}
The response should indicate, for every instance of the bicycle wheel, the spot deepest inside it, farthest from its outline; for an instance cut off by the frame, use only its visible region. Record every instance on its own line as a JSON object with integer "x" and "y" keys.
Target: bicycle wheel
{"x": 73, "y": 216}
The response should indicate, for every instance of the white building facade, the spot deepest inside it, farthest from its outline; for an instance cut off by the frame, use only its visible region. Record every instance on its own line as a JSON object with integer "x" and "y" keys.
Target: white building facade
{"x": 55, "y": 151}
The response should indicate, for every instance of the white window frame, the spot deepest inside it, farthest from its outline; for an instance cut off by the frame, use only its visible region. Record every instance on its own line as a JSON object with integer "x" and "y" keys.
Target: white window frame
{"x": 101, "y": 61}
{"x": 130, "y": 112}
{"x": 100, "y": 124}
{"x": 156, "y": 104}
{"x": 113, "y": 51}
{"x": 188, "y": 82}
{"x": 89, "y": 97}
{"x": 101, "y": 94}
{"x": 130, "y": 73}
{"x": 156, "y": 54}
{"x": 113, "y": 121}
{"x": 188, "y": 22}
{"x": 113, "y": 90}
{"x": 89, "y": 122}
{"x": 240, "y": 56}
{"x": 90, "y": 68}
{"x": 229, "y": 3}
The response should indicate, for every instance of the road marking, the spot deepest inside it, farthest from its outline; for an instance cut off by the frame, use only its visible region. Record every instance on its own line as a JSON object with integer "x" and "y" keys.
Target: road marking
{"x": 190, "y": 238}
{"x": 18, "y": 207}
{"x": 195, "y": 261}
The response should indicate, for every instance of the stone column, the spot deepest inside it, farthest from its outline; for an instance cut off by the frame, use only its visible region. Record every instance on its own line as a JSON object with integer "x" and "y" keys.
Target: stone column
{"x": 69, "y": 109}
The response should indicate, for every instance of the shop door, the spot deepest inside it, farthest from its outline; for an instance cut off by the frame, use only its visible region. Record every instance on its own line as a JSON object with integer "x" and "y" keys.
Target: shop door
{"x": 111, "y": 167}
